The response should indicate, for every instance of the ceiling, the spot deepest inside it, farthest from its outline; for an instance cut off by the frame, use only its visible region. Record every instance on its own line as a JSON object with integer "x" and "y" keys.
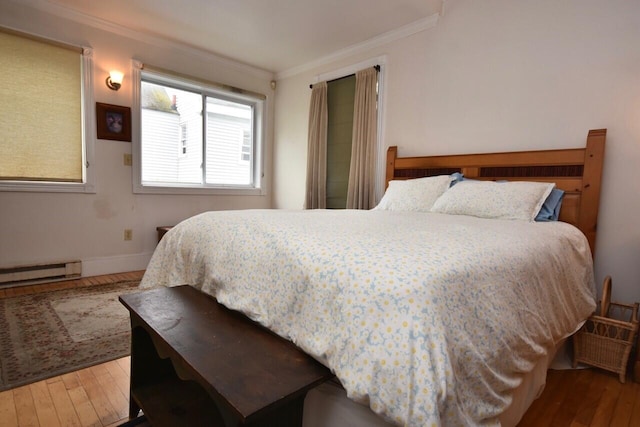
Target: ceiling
{"x": 274, "y": 35}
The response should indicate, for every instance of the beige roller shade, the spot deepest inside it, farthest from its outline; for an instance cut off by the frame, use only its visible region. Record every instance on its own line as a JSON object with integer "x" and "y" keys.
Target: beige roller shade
{"x": 41, "y": 111}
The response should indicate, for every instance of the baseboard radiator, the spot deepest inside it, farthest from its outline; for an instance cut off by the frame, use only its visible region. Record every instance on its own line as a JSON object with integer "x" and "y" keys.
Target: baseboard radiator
{"x": 41, "y": 273}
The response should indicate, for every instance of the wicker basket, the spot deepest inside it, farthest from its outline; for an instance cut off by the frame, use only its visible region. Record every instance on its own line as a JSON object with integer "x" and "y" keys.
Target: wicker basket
{"x": 606, "y": 338}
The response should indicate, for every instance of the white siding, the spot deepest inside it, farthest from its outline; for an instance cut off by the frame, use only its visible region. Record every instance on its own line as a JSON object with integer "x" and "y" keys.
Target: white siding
{"x": 189, "y": 164}
{"x": 160, "y": 142}
{"x": 225, "y": 136}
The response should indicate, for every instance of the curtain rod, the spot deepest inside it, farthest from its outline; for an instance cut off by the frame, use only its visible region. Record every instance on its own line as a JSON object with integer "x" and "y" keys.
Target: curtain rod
{"x": 377, "y": 67}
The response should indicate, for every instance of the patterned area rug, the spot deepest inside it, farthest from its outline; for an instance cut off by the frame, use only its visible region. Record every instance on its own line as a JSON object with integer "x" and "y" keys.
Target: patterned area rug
{"x": 52, "y": 333}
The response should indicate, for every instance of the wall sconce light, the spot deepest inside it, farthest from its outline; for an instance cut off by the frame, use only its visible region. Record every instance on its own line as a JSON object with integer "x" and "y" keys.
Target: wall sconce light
{"x": 114, "y": 80}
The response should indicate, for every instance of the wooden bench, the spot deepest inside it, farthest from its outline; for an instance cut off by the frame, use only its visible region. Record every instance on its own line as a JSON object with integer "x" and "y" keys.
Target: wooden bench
{"x": 196, "y": 363}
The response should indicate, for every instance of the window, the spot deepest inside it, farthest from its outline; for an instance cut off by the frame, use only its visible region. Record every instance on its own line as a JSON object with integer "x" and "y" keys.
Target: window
{"x": 219, "y": 134}
{"x": 46, "y": 130}
{"x": 340, "y": 102}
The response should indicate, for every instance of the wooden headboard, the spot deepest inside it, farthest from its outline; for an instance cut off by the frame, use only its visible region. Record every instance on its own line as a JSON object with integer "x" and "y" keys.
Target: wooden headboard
{"x": 576, "y": 171}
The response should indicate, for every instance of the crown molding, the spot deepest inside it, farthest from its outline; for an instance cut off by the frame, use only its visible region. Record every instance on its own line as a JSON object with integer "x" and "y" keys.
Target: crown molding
{"x": 146, "y": 37}
{"x": 388, "y": 37}
{"x": 380, "y": 60}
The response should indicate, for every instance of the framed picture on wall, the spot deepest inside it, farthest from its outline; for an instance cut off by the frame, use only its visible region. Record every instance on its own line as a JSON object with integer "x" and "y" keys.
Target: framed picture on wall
{"x": 113, "y": 122}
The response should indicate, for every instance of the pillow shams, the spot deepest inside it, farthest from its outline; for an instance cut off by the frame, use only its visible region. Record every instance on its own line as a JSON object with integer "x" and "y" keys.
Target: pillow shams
{"x": 416, "y": 195}
{"x": 487, "y": 199}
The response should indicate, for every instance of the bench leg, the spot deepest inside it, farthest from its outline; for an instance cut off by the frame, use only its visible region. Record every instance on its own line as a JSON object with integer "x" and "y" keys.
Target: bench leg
{"x": 134, "y": 409}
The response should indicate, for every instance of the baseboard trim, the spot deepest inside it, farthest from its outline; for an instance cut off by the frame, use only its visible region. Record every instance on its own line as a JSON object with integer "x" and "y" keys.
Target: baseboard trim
{"x": 115, "y": 264}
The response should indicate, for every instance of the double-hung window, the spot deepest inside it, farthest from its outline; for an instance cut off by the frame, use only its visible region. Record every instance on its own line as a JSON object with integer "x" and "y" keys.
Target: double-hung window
{"x": 196, "y": 137}
{"x": 47, "y": 122}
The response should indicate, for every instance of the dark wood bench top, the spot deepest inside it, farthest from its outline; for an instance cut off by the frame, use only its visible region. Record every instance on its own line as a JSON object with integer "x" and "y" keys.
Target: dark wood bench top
{"x": 250, "y": 368}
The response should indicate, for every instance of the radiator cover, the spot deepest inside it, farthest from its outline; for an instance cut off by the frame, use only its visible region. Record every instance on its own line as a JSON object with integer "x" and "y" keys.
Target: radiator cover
{"x": 39, "y": 273}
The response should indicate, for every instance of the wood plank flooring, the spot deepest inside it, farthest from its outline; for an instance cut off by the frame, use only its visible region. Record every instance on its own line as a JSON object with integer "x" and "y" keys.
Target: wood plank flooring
{"x": 98, "y": 396}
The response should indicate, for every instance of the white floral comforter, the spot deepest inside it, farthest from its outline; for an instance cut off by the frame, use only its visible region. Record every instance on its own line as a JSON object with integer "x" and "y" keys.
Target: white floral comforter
{"x": 429, "y": 319}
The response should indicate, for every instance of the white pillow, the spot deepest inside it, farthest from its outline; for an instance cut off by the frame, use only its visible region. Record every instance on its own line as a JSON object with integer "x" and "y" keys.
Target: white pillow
{"x": 487, "y": 199}
{"x": 414, "y": 194}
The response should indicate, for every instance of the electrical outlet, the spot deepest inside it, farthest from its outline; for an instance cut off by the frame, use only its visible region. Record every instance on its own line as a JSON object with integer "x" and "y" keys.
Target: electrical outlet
{"x": 127, "y": 159}
{"x": 128, "y": 234}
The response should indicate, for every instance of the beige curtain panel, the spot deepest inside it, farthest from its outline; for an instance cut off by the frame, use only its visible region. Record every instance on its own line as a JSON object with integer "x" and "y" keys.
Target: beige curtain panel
{"x": 316, "y": 190}
{"x": 361, "y": 190}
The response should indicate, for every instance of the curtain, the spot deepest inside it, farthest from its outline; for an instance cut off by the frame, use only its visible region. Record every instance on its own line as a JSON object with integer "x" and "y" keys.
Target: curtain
{"x": 361, "y": 190}
{"x": 316, "y": 189}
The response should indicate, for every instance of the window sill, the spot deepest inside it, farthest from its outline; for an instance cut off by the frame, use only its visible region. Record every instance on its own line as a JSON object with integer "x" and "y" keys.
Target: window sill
{"x": 203, "y": 191}
{"x": 47, "y": 187}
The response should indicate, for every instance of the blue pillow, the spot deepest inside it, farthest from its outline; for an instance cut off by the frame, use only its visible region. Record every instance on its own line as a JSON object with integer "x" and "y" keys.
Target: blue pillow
{"x": 550, "y": 210}
{"x": 456, "y": 177}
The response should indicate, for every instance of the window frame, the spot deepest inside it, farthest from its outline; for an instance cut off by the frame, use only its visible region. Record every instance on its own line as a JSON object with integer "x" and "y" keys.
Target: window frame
{"x": 88, "y": 184}
{"x": 168, "y": 78}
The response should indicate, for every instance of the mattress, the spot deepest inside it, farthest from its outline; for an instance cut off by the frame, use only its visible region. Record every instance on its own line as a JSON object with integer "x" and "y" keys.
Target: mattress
{"x": 424, "y": 318}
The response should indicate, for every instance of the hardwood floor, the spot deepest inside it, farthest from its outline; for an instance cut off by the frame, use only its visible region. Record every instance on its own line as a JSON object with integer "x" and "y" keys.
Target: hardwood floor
{"x": 98, "y": 396}
{"x": 585, "y": 397}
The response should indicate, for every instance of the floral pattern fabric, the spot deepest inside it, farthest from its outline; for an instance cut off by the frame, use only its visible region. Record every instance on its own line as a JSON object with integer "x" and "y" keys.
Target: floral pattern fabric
{"x": 428, "y": 319}
{"x": 519, "y": 200}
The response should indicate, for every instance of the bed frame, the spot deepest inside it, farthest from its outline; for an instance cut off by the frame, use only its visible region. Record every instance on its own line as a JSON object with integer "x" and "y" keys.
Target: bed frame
{"x": 576, "y": 171}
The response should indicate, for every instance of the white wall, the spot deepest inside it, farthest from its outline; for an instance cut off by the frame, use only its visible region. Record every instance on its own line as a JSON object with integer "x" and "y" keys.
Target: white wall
{"x": 44, "y": 227}
{"x": 501, "y": 75}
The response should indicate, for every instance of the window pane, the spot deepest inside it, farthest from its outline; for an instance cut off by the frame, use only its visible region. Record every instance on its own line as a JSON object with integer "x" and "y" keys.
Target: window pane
{"x": 229, "y": 140}
{"x": 40, "y": 112}
{"x": 171, "y": 145}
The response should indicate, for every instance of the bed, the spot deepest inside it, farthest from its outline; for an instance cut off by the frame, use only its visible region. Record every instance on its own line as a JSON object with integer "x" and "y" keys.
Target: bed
{"x": 427, "y": 316}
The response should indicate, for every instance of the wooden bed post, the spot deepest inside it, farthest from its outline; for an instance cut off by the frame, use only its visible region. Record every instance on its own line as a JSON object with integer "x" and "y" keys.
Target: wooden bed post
{"x": 392, "y": 153}
{"x": 591, "y": 183}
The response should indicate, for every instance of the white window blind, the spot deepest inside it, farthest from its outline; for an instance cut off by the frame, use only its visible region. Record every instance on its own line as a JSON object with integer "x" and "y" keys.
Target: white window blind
{"x": 41, "y": 115}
